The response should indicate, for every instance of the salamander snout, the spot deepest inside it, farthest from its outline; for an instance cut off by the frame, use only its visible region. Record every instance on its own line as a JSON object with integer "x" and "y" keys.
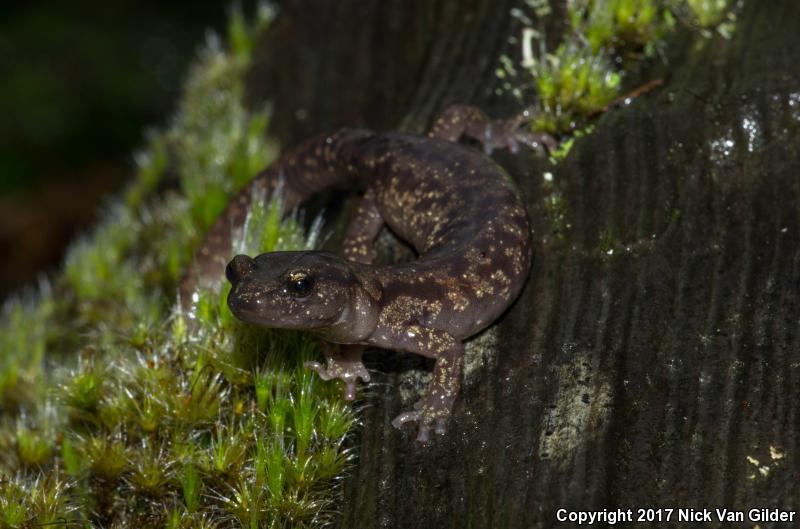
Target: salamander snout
{"x": 240, "y": 266}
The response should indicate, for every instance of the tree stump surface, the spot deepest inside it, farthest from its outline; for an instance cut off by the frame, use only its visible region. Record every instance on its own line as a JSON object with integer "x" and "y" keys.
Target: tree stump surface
{"x": 653, "y": 358}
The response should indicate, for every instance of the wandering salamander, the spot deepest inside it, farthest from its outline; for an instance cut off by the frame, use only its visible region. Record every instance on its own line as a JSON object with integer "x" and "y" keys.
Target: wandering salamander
{"x": 451, "y": 203}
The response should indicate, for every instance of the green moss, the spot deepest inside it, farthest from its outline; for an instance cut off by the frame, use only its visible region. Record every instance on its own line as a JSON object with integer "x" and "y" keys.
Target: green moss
{"x": 191, "y": 486}
{"x": 163, "y": 417}
{"x": 43, "y": 501}
{"x": 14, "y": 510}
{"x": 152, "y": 165}
{"x": 555, "y": 206}
{"x": 584, "y": 74}
{"x": 83, "y": 390}
{"x": 625, "y": 28}
{"x": 572, "y": 83}
{"x": 23, "y": 342}
{"x": 71, "y": 460}
{"x": 710, "y": 13}
{"x": 107, "y": 456}
{"x": 152, "y": 471}
{"x": 33, "y": 448}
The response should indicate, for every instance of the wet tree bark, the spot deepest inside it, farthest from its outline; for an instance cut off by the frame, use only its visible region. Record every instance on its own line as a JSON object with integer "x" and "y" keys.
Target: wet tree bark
{"x": 653, "y": 359}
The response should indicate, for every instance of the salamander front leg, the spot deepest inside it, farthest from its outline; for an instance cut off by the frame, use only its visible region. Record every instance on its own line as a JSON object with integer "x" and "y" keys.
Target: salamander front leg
{"x": 344, "y": 362}
{"x": 437, "y": 405}
{"x": 465, "y": 120}
{"x": 362, "y": 231}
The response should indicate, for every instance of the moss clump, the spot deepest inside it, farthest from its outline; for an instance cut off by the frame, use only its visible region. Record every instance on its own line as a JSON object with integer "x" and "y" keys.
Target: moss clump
{"x": 584, "y": 74}
{"x": 44, "y": 501}
{"x": 24, "y": 336}
{"x": 572, "y": 82}
{"x": 709, "y": 15}
{"x": 120, "y": 410}
{"x": 623, "y": 28}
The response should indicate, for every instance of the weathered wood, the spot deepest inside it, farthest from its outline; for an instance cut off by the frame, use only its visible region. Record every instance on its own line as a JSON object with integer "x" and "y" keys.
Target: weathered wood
{"x": 653, "y": 359}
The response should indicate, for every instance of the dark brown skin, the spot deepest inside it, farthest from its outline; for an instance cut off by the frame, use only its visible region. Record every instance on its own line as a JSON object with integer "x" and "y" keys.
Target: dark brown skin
{"x": 457, "y": 209}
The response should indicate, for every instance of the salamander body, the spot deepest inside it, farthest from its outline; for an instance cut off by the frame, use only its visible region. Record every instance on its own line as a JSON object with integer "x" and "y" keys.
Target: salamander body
{"x": 452, "y": 204}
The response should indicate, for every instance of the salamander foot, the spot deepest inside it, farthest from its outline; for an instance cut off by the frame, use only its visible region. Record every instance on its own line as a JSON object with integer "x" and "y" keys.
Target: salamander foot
{"x": 347, "y": 370}
{"x": 432, "y": 414}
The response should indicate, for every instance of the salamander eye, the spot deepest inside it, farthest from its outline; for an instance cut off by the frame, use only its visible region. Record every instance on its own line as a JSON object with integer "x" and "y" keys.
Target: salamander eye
{"x": 299, "y": 284}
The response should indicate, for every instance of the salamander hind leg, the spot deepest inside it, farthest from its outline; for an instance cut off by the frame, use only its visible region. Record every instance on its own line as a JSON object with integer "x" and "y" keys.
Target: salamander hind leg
{"x": 436, "y": 407}
{"x": 456, "y": 121}
{"x": 465, "y": 120}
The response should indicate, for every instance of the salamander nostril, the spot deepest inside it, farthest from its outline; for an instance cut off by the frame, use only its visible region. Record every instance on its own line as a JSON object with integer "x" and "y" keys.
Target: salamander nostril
{"x": 239, "y": 267}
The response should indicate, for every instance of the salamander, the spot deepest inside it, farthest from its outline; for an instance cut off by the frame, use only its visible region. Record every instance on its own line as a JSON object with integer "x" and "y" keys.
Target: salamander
{"x": 456, "y": 208}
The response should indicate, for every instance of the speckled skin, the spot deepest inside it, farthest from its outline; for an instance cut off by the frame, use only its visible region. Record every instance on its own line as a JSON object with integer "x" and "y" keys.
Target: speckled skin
{"x": 454, "y": 205}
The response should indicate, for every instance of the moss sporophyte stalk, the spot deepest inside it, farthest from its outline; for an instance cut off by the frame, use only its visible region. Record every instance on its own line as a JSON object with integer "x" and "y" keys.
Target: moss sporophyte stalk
{"x": 116, "y": 409}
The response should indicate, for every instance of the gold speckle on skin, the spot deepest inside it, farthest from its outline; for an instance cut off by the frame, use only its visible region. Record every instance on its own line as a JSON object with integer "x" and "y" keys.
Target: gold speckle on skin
{"x": 501, "y": 277}
{"x": 459, "y": 300}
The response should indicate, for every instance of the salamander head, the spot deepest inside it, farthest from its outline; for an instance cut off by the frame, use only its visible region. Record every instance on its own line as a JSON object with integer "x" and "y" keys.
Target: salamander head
{"x": 293, "y": 290}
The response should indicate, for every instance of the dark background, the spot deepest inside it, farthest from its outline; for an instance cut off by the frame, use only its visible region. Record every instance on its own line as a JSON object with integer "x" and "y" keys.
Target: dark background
{"x": 80, "y": 85}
